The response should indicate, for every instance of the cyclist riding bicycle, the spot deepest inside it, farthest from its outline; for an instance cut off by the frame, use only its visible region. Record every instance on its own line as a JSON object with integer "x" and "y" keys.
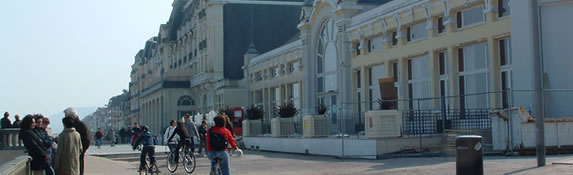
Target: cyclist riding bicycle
{"x": 218, "y": 138}
{"x": 184, "y": 139}
{"x": 148, "y": 142}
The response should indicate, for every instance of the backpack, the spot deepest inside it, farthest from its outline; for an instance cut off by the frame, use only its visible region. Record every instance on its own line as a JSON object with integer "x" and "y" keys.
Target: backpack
{"x": 217, "y": 141}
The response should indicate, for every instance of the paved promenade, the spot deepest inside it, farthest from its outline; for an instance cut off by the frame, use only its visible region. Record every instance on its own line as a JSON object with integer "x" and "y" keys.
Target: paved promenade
{"x": 264, "y": 163}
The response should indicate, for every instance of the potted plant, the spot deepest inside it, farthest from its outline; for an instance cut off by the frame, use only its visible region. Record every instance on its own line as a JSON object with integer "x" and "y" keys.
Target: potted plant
{"x": 317, "y": 125}
{"x": 321, "y": 109}
{"x": 387, "y": 103}
{"x": 286, "y": 110}
{"x": 252, "y": 124}
{"x": 283, "y": 125}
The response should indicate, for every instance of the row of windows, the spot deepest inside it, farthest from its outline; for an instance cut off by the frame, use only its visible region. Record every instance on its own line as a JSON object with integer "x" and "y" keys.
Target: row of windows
{"x": 277, "y": 71}
{"x": 465, "y": 18}
{"x": 472, "y": 71}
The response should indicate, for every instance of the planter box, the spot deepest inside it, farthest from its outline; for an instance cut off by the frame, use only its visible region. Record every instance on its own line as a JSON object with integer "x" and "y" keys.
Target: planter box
{"x": 282, "y": 127}
{"x": 252, "y": 127}
{"x": 383, "y": 123}
{"x": 316, "y": 126}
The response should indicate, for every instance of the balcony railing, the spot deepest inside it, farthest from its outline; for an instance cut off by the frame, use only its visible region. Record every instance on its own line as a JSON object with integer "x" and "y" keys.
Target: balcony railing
{"x": 10, "y": 139}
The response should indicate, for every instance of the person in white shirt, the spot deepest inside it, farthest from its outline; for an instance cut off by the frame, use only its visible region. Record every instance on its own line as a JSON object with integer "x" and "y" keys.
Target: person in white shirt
{"x": 168, "y": 132}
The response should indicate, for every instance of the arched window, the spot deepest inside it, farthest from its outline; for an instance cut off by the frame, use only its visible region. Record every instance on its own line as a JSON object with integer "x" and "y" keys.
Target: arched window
{"x": 185, "y": 101}
{"x": 327, "y": 61}
{"x": 327, "y": 58}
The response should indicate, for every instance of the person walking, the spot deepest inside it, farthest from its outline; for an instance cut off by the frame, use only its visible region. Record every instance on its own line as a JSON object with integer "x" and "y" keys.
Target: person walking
{"x": 168, "y": 132}
{"x": 81, "y": 128}
{"x": 33, "y": 145}
{"x": 6, "y": 121}
{"x": 218, "y": 138}
{"x": 192, "y": 130}
{"x": 67, "y": 161}
{"x": 202, "y": 135}
{"x": 98, "y": 138}
{"x": 113, "y": 137}
{"x": 122, "y": 135}
{"x": 17, "y": 121}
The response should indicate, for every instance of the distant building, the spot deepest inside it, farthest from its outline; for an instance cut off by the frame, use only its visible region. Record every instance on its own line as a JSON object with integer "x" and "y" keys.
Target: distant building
{"x": 194, "y": 65}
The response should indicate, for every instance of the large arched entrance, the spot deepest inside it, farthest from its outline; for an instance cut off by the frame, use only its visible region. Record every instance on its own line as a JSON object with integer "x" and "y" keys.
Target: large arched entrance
{"x": 185, "y": 105}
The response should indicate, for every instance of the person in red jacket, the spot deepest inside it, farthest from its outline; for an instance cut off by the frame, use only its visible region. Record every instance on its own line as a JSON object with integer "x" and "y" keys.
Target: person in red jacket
{"x": 218, "y": 137}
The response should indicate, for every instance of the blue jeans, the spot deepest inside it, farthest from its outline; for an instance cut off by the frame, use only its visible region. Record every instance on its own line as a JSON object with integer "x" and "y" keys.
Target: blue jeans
{"x": 225, "y": 165}
{"x": 149, "y": 151}
{"x": 99, "y": 142}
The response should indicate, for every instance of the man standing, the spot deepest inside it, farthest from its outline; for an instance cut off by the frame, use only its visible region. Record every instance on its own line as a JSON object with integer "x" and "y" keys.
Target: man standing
{"x": 192, "y": 130}
{"x": 99, "y": 138}
{"x": 135, "y": 131}
{"x": 16, "y": 123}
{"x": 81, "y": 128}
{"x": 6, "y": 123}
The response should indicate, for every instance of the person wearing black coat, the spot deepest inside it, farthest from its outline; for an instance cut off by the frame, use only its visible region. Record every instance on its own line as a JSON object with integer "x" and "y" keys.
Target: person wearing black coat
{"x": 34, "y": 145}
{"x": 6, "y": 123}
{"x": 81, "y": 128}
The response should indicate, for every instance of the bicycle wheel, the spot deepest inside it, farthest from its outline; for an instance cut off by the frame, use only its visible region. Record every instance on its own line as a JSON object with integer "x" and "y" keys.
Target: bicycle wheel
{"x": 218, "y": 169}
{"x": 171, "y": 165}
{"x": 154, "y": 170}
{"x": 143, "y": 171}
{"x": 189, "y": 162}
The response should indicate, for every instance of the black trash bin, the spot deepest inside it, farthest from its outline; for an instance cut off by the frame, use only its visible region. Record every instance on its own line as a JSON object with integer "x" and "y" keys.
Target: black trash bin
{"x": 469, "y": 155}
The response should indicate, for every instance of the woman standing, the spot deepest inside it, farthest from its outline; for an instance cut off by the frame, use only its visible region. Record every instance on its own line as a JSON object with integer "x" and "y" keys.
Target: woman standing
{"x": 33, "y": 145}
{"x": 48, "y": 142}
{"x": 67, "y": 160}
{"x": 168, "y": 132}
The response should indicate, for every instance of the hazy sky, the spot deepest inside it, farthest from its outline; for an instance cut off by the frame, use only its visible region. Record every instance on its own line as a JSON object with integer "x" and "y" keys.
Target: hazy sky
{"x": 60, "y": 53}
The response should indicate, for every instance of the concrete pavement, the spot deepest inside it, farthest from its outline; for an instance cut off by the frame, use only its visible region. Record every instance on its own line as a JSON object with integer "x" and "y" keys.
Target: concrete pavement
{"x": 264, "y": 163}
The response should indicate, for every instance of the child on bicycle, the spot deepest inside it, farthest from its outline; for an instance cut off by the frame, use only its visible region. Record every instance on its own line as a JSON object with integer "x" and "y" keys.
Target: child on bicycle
{"x": 218, "y": 137}
{"x": 148, "y": 142}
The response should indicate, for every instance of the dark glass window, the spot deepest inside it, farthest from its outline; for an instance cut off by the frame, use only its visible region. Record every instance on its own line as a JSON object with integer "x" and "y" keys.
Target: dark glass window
{"x": 395, "y": 71}
{"x": 441, "y": 26}
{"x": 461, "y": 59}
{"x": 442, "y": 60}
{"x": 503, "y": 8}
{"x": 358, "y": 85}
{"x": 357, "y": 48}
{"x": 394, "y": 39}
{"x": 369, "y": 46}
{"x": 502, "y": 53}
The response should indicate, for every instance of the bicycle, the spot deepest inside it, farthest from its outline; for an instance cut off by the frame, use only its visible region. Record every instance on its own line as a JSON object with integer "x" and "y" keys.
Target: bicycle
{"x": 218, "y": 169}
{"x": 185, "y": 156}
{"x": 149, "y": 170}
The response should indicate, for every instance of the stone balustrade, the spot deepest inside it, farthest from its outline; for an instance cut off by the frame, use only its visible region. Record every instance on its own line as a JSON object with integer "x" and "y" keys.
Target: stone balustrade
{"x": 17, "y": 166}
{"x": 9, "y": 139}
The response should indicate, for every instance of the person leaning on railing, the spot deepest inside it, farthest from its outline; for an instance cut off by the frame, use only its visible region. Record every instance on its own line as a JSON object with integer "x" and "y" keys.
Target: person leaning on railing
{"x": 33, "y": 144}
